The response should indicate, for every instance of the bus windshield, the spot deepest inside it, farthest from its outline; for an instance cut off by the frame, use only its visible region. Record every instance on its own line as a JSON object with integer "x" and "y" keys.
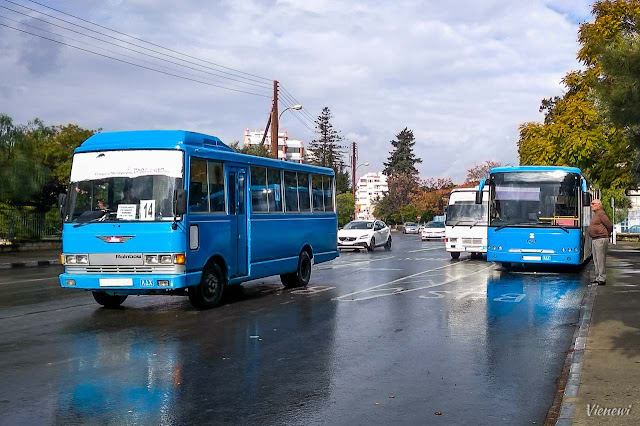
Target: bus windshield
{"x": 540, "y": 198}
{"x": 467, "y": 212}
{"x": 135, "y": 185}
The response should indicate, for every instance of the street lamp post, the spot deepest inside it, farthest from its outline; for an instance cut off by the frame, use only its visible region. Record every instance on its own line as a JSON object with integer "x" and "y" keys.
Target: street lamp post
{"x": 296, "y": 107}
{"x": 355, "y": 206}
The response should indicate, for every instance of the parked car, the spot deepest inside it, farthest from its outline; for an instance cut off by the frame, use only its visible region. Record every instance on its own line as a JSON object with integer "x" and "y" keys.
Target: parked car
{"x": 364, "y": 234}
{"x": 433, "y": 231}
{"x": 410, "y": 228}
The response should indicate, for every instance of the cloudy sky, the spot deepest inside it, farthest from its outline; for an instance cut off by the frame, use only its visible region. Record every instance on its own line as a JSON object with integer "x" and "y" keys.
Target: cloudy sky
{"x": 461, "y": 74}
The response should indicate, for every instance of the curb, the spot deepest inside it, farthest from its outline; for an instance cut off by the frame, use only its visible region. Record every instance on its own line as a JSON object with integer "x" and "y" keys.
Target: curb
{"x": 575, "y": 359}
{"x": 30, "y": 264}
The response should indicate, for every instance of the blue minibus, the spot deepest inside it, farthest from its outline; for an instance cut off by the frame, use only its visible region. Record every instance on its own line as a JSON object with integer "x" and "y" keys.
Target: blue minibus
{"x": 181, "y": 213}
{"x": 538, "y": 214}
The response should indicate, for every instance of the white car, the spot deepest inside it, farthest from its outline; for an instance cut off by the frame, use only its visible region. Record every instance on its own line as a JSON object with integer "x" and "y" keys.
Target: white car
{"x": 433, "y": 231}
{"x": 364, "y": 234}
{"x": 410, "y": 228}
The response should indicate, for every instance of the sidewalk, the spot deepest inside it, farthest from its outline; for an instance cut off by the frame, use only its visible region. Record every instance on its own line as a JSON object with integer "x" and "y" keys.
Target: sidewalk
{"x": 29, "y": 258}
{"x": 610, "y": 376}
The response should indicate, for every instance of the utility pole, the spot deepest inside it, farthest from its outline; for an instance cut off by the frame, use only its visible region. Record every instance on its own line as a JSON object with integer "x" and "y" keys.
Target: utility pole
{"x": 274, "y": 120}
{"x": 354, "y": 162}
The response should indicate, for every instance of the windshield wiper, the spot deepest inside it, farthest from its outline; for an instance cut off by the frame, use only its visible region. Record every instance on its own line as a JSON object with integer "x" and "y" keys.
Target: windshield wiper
{"x": 105, "y": 214}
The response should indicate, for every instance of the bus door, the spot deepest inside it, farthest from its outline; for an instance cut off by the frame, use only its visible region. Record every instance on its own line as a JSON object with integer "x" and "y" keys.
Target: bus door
{"x": 236, "y": 178}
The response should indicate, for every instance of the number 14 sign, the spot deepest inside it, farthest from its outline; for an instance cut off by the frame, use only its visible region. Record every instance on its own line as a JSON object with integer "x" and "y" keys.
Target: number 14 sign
{"x": 147, "y": 209}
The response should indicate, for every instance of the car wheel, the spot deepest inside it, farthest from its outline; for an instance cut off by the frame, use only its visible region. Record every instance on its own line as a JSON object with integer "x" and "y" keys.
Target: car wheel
{"x": 208, "y": 293}
{"x": 109, "y": 301}
{"x": 387, "y": 246}
{"x": 301, "y": 277}
{"x": 372, "y": 245}
{"x": 455, "y": 254}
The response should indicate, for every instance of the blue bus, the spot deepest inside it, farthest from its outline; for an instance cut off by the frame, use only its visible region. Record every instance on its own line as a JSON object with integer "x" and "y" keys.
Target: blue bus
{"x": 538, "y": 214}
{"x": 181, "y": 213}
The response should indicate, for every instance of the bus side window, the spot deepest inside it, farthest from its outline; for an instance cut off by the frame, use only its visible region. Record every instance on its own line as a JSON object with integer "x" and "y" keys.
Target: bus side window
{"x": 198, "y": 201}
{"x": 291, "y": 191}
{"x": 303, "y": 192}
{"x": 216, "y": 187}
{"x": 259, "y": 190}
{"x": 316, "y": 185}
{"x": 328, "y": 193}
{"x": 274, "y": 183}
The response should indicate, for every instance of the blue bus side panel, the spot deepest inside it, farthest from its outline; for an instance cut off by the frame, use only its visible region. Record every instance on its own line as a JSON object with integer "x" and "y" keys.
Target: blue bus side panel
{"x": 525, "y": 244}
{"x": 282, "y": 237}
{"x": 214, "y": 238}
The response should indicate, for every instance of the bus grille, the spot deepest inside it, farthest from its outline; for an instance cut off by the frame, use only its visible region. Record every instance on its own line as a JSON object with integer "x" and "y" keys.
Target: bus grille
{"x": 472, "y": 241}
{"x": 123, "y": 269}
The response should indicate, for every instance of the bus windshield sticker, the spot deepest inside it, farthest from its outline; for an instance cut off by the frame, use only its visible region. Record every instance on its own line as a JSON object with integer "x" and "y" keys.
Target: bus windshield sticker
{"x": 127, "y": 211}
{"x": 109, "y": 164}
{"x": 147, "y": 210}
{"x": 517, "y": 193}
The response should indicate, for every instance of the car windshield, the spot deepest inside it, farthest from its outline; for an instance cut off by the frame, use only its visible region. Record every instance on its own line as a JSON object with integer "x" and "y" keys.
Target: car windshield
{"x": 410, "y": 224}
{"x": 467, "y": 212}
{"x": 544, "y": 198}
{"x": 124, "y": 186}
{"x": 435, "y": 225}
{"x": 359, "y": 225}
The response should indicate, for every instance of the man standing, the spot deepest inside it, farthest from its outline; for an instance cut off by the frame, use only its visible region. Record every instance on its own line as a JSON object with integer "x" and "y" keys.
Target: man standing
{"x": 600, "y": 229}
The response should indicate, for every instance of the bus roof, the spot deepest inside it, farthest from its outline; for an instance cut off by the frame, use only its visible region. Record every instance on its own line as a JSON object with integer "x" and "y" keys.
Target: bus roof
{"x": 187, "y": 141}
{"x": 535, "y": 169}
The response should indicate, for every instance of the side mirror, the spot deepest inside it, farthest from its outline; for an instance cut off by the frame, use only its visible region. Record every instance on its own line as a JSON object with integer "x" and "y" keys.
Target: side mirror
{"x": 62, "y": 204}
{"x": 180, "y": 202}
{"x": 586, "y": 199}
{"x": 479, "y": 197}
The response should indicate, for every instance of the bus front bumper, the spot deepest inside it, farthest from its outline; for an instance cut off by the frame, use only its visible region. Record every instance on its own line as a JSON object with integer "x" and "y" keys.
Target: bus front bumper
{"x": 130, "y": 284}
{"x": 568, "y": 258}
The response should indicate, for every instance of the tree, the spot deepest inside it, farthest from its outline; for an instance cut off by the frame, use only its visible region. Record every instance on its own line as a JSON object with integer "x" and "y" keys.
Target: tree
{"x": 324, "y": 150}
{"x": 402, "y": 160}
{"x": 622, "y": 203}
{"x": 345, "y": 206}
{"x": 259, "y": 150}
{"x": 390, "y": 207}
{"x": 481, "y": 171}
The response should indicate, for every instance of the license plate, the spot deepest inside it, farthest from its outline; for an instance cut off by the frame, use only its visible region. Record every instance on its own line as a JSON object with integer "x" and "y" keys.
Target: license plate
{"x": 538, "y": 258}
{"x": 116, "y": 282}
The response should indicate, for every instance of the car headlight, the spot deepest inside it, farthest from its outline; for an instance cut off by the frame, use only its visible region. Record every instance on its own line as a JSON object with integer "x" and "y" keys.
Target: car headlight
{"x": 363, "y": 237}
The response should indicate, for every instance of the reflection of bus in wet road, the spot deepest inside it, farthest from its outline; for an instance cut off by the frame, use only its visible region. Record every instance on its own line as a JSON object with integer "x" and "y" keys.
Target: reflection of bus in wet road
{"x": 538, "y": 214}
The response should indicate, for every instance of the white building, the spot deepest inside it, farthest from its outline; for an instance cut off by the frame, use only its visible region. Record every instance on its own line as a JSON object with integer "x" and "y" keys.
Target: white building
{"x": 288, "y": 149}
{"x": 370, "y": 188}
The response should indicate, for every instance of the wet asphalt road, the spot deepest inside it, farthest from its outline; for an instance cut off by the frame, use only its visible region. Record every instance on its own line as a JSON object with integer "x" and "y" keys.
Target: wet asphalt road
{"x": 383, "y": 337}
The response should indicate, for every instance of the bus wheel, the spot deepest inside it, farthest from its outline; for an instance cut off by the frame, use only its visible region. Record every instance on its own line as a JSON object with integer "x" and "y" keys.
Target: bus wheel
{"x": 506, "y": 265}
{"x": 455, "y": 254}
{"x": 301, "y": 277}
{"x": 109, "y": 301}
{"x": 208, "y": 293}
{"x": 387, "y": 246}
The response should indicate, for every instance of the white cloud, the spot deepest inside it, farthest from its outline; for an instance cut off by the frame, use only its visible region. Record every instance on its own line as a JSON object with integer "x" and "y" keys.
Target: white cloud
{"x": 462, "y": 75}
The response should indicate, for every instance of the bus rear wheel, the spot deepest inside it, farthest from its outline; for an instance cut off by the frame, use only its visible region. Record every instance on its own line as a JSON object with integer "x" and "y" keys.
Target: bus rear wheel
{"x": 208, "y": 293}
{"x": 455, "y": 254}
{"x": 302, "y": 276}
{"x": 109, "y": 301}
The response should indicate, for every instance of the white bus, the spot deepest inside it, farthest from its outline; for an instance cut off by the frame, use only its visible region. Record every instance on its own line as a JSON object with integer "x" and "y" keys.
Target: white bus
{"x": 466, "y": 223}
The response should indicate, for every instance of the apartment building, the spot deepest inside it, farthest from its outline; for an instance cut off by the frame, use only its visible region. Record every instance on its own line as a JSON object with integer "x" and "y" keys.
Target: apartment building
{"x": 288, "y": 149}
{"x": 370, "y": 188}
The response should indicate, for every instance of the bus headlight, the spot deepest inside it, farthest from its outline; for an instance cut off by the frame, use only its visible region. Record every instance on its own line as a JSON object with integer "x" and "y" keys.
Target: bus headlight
{"x": 151, "y": 259}
{"x": 70, "y": 259}
{"x": 499, "y": 247}
{"x": 166, "y": 259}
{"x": 82, "y": 259}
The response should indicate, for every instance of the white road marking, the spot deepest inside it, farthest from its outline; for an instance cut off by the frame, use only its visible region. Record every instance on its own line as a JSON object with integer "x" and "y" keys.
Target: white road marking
{"x": 55, "y": 277}
{"x": 399, "y": 279}
{"x": 345, "y": 264}
{"x": 427, "y": 249}
{"x": 399, "y": 290}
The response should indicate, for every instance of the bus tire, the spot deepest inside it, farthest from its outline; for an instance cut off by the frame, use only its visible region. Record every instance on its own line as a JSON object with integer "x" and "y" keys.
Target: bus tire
{"x": 387, "y": 245}
{"x": 506, "y": 265}
{"x": 372, "y": 245}
{"x": 301, "y": 277}
{"x": 208, "y": 294}
{"x": 455, "y": 254}
{"x": 109, "y": 301}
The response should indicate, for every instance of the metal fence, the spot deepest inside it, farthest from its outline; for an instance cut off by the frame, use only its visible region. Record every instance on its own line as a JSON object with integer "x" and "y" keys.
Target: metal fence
{"x": 22, "y": 224}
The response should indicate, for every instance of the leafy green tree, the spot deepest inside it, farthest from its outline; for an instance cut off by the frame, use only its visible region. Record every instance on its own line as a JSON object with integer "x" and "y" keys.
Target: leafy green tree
{"x": 345, "y": 205}
{"x": 402, "y": 160}
{"x": 622, "y": 203}
{"x": 259, "y": 150}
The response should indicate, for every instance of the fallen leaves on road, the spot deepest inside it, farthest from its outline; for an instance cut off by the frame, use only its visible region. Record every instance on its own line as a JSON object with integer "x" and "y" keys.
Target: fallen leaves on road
{"x": 438, "y": 413}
